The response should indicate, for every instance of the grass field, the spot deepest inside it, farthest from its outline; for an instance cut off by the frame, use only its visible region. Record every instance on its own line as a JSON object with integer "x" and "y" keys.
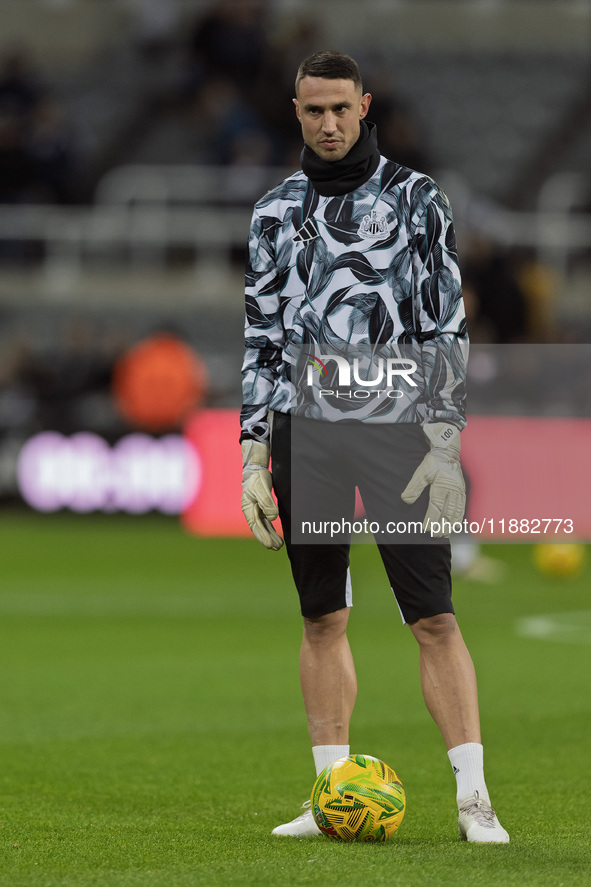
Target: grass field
{"x": 153, "y": 734}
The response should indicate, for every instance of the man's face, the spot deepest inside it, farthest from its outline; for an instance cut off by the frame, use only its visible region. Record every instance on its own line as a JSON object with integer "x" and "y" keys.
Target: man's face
{"x": 330, "y": 112}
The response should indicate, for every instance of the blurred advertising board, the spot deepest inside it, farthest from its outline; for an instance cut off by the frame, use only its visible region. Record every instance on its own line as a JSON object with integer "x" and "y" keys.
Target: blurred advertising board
{"x": 83, "y": 473}
{"x": 216, "y": 510}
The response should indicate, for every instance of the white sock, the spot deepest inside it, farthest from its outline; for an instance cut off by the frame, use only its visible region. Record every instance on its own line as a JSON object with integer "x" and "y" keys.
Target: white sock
{"x": 326, "y": 754}
{"x": 467, "y": 763}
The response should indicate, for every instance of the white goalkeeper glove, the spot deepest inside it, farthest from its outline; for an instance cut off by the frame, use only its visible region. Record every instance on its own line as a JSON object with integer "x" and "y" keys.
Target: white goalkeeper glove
{"x": 442, "y": 470}
{"x": 258, "y": 505}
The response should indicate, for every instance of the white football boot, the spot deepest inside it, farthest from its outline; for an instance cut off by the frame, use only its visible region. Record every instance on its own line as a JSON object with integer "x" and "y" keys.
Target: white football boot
{"x": 478, "y": 823}
{"x": 304, "y": 826}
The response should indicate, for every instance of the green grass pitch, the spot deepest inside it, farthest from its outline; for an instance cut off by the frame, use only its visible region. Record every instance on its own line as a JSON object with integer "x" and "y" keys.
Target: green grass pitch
{"x": 153, "y": 733}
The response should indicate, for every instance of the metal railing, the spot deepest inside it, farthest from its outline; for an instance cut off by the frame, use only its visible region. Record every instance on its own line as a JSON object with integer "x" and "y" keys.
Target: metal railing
{"x": 144, "y": 213}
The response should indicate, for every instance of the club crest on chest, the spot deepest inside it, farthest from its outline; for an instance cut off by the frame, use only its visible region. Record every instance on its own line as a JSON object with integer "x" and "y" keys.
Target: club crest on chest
{"x": 374, "y": 225}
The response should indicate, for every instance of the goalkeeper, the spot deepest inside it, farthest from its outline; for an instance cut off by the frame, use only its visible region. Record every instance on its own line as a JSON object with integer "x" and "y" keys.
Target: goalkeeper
{"x": 357, "y": 252}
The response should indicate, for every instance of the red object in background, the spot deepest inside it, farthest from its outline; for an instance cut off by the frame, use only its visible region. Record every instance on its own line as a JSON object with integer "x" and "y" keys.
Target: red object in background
{"x": 530, "y": 468}
{"x": 518, "y": 469}
{"x": 159, "y": 382}
{"x": 217, "y": 511}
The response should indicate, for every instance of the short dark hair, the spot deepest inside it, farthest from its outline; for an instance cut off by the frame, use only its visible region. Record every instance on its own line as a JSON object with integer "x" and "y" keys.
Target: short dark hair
{"x": 331, "y": 65}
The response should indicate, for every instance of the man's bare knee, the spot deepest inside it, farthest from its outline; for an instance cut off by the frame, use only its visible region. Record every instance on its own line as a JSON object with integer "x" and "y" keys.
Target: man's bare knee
{"x": 321, "y": 629}
{"x": 435, "y": 629}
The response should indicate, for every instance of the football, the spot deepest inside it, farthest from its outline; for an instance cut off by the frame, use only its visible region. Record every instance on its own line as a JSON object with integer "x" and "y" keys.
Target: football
{"x": 560, "y": 559}
{"x": 358, "y": 798}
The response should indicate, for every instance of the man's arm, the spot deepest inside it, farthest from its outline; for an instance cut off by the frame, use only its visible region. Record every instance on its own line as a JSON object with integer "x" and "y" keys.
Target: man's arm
{"x": 439, "y": 309}
{"x": 264, "y": 338}
{"x": 264, "y": 335}
{"x": 443, "y": 341}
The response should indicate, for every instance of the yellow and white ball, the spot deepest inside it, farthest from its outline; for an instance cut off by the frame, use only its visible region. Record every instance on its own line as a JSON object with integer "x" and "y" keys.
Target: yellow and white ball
{"x": 358, "y": 798}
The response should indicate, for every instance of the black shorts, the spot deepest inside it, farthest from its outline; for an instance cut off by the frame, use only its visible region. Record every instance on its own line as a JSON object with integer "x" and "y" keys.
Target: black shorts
{"x": 320, "y": 465}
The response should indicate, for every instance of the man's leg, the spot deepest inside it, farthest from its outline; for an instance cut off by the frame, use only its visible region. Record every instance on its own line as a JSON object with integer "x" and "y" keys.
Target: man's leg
{"x": 448, "y": 679}
{"x": 329, "y": 687}
{"x": 327, "y": 676}
{"x": 449, "y": 688}
{"x": 320, "y": 569}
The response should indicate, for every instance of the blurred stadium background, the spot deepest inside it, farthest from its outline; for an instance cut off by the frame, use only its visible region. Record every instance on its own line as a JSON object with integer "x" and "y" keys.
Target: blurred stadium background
{"x": 148, "y": 679}
{"x": 135, "y": 136}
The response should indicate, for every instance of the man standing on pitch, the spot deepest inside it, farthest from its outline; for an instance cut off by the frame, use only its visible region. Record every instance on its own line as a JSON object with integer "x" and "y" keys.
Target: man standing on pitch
{"x": 357, "y": 251}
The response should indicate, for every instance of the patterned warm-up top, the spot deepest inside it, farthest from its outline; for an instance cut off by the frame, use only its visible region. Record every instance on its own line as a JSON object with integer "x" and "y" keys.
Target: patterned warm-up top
{"x": 373, "y": 267}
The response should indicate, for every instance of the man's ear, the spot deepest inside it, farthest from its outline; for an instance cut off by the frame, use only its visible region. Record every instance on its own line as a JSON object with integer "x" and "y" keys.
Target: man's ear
{"x": 365, "y": 103}
{"x": 297, "y": 108}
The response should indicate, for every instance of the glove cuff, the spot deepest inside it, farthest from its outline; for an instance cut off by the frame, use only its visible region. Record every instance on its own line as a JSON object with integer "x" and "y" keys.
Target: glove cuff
{"x": 255, "y": 454}
{"x": 442, "y": 435}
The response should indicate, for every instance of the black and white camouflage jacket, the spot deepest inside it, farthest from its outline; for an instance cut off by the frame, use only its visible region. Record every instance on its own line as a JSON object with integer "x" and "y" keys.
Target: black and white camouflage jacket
{"x": 373, "y": 267}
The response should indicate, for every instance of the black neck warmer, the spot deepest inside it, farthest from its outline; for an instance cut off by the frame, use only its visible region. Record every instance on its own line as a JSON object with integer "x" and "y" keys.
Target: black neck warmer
{"x": 336, "y": 177}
